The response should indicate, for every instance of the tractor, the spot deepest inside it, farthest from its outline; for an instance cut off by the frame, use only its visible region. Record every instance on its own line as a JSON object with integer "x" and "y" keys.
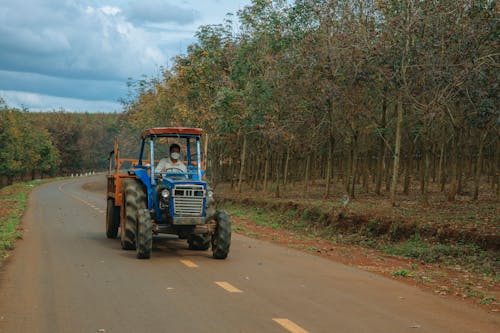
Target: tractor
{"x": 143, "y": 202}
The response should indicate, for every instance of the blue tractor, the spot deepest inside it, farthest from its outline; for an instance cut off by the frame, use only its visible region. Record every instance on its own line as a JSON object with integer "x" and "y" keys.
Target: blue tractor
{"x": 143, "y": 201}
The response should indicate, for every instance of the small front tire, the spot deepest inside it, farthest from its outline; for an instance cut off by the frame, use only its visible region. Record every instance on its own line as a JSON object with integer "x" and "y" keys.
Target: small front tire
{"x": 221, "y": 238}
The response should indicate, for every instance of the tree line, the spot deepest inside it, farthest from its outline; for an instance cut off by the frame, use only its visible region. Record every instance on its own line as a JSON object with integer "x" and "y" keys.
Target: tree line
{"x": 42, "y": 144}
{"x": 373, "y": 96}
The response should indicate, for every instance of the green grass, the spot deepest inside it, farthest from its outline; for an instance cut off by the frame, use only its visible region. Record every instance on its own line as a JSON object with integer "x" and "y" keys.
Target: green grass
{"x": 13, "y": 199}
{"x": 487, "y": 299}
{"x": 258, "y": 215}
{"x": 401, "y": 272}
{"x": 466, "y": 255}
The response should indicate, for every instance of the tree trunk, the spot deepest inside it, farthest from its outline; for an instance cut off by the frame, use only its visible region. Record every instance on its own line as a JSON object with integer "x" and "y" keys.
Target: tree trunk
{"x": 366, "y": 173}
{"x": 354, "y": 166}
{"x": 251, "y": 170}
{"x": 425, "y": 177}
{"x": 409, "y": 167}
{"x": 452, "y": 191}
{"x": 495, "y": 167}
{"x": 242, "y": 163}
{"x": 460, "y": 168}
{"x": 382, "y": 148}
{"x": 307, "y": 173}
{"x": 440, "y": 174}
{"x": 329, "y": 166}
{"x": 380, "y": 167}
{"x": 479, "y": 164}
{"x": 432, "y": 167}
{"x": 397, "y": 149}
{"x": 287, "y": 161}
{"x": 232, "y": 174}
{"x": 266, "y": 171}
{"x": 278, "y": 167}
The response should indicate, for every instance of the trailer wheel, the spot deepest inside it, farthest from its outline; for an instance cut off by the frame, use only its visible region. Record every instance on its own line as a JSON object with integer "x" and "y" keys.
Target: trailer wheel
{"x": 112, "y": 219}
{"x": 221, "y": 238}
{"x": 199, "y": 242}
{"x": 134, "y": 199}
{"x": 144, "y": 236}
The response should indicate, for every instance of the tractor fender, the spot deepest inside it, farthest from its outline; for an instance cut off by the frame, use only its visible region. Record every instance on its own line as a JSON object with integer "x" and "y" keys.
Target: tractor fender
{"x": 143, "y": 176}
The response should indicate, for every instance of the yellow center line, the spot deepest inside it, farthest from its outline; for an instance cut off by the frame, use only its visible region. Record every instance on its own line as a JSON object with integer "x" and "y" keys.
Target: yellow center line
{"x": 290, "y": 325}
{"x": 189, "y": 263}
{"x": 228, "y": 287}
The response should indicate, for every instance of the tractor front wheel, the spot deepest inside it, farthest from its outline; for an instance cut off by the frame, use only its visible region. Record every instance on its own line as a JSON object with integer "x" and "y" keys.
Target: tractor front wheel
{"x": 221, "y": 238}
{"x": 112, "y": 219}
{"x": 144, "y": 236}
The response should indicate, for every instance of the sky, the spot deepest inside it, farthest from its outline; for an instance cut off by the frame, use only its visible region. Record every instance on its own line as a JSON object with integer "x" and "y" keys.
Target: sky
{"x": 78, "y": 55}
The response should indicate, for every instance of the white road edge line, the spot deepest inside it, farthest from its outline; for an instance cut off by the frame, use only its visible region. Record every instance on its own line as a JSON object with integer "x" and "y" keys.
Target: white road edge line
{"x": 80, "y": 199}
{"x": 289, "y": 325}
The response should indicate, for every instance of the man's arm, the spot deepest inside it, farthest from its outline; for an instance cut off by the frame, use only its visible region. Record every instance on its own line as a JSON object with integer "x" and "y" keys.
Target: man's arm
{"x": 161, "y": 166}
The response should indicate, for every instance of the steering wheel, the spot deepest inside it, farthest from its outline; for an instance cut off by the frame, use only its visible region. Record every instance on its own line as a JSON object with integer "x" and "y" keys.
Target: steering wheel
{"x": 179, "y": 169}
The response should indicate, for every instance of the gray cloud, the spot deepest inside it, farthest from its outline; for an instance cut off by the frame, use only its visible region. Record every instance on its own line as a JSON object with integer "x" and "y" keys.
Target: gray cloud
{"x": 160, "y": 11}
{"x": 40, "y": 102}
{"x": 96, "y": 90}
{"x": 65, "y": 53}
{"x": 71, "y": 40}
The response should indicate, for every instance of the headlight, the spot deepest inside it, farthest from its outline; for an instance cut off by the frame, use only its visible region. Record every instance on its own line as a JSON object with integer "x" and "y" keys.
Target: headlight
{"x": 210, "y": 194}
{"x": 165, "y": 194}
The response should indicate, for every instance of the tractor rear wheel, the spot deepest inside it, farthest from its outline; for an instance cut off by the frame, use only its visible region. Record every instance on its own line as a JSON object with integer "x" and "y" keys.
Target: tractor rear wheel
{"x": 134, "y": 199}
{"x": 112, "y": 219}
{"x": 144, "y": 236}
{"x": 199, "y": 242}
{"x": 221, "y": 238}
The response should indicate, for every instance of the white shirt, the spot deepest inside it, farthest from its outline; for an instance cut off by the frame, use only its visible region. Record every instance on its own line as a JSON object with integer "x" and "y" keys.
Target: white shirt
{"x": 166, "y": 165}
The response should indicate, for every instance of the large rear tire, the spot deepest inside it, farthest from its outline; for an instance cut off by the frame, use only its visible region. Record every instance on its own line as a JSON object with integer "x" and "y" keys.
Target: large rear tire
{"x": 134, "y": 199}
{"x": 199, "y": 242}
{"x": 144, "y": 236}
{"x": 112, "y": 219}
{"x": 221, "y": 238}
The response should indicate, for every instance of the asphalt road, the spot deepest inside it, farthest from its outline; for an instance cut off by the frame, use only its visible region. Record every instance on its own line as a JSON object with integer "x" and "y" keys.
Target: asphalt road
{"x": 65, "y": 276}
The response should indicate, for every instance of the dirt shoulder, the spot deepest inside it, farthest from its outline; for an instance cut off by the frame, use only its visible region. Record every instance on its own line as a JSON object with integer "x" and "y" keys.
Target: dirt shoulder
{"x": 439, "y": 247}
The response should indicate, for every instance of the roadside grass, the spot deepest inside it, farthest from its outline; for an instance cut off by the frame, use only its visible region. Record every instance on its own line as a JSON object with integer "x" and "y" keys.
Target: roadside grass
{"x": 469, "y": 256}
{"x": 13, "y": 201}
{"x": 256, "y": 214}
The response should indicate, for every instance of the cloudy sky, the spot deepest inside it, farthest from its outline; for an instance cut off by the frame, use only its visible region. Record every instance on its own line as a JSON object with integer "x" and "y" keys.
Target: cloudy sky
{"x": 78, "y": 54}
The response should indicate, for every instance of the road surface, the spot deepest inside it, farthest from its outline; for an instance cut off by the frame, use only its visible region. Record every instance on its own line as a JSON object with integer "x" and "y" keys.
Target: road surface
{"x": 65, "y": 276}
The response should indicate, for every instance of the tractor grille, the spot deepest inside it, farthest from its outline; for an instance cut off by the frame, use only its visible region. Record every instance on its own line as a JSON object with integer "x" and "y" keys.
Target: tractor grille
{"x": 188, "y": 200}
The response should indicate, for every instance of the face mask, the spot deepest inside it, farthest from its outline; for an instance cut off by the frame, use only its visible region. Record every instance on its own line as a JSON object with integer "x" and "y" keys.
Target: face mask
{"x": 175, "y": 156}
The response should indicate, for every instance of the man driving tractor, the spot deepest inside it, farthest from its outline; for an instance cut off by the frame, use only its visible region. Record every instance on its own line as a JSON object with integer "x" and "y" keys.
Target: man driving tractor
{"x": 173, "y": 162}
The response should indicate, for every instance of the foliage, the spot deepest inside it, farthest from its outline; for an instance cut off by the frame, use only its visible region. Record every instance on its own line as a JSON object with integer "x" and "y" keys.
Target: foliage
{"x": 34, "y": 145}
{"x": 24, "y": 147}
{"x": 83, "y": 140}
{"x": 321, "y": 81}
